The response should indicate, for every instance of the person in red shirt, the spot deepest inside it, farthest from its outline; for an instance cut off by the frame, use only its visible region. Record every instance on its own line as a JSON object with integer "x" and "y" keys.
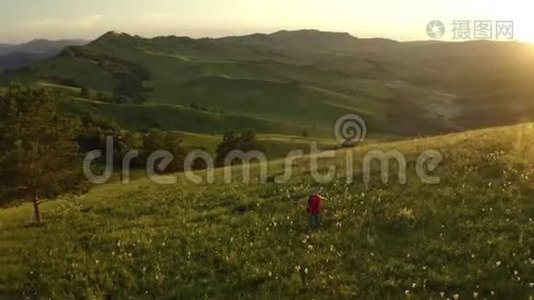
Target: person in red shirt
{"x": 314, "y": 210}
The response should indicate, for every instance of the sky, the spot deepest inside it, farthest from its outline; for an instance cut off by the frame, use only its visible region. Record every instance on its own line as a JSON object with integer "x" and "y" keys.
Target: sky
{"x": 24, "y": 20}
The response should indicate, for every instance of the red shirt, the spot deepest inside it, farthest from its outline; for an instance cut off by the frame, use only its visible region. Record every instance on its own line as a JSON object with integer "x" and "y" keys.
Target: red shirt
{"x": 314, "y": 204}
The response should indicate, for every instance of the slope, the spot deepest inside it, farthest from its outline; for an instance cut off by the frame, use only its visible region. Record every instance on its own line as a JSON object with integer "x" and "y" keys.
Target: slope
{"x": 470, "y": 235}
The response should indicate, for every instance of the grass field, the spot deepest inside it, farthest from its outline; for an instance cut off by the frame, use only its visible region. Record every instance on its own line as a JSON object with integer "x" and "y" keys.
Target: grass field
{"x": 471, "y": 236}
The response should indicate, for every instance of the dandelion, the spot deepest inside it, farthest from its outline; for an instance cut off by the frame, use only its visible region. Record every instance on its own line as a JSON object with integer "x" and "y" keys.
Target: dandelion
{"x": 270, "y": 274}
{"x": 305, "y": 270}
{"x": 297, "y": 268}
{"x": 406, "y": 292}
{"x": 492, "y": 293}
{"x": 414, "y": 285}
{"x": 310, "y": 247}
{"x": 475, "y": 294}
{"x": 442, "y": 294}
{"x": 531, "y": 284}
{"x": 456, "y": 296}
{"x": 498, "y": 263}
{"x": 516, "y": 272}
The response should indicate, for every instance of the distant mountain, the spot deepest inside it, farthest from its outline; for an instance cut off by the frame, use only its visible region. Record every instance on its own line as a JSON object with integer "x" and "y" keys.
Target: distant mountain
{"x": 295, "y": 81}
{"x": 310, "y": 40}
{"x": 21, "y": 55}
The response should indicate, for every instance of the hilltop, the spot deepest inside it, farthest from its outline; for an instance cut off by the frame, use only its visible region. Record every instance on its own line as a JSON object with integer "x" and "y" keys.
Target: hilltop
{"x": 472, "y": 234}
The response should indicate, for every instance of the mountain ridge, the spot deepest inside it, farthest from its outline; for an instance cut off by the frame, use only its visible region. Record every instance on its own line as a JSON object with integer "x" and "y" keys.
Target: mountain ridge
{"x": 402, "y": 88}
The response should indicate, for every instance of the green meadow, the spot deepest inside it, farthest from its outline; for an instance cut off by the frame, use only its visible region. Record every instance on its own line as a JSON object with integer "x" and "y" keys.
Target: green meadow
{"x": 470, "y": 236}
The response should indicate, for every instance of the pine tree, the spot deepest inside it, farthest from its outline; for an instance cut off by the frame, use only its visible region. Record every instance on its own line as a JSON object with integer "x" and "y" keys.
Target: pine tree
{"x": 38, "y": 150}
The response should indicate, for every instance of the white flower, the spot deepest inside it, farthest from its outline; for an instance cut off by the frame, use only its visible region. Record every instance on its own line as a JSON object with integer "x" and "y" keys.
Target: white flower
{"x": 297, "y": 268}
{"x": 406, "y": 292}
{"x": 456, "y": 296}
{"x": 475, "y": 294}
{"x": 305, "y": 270}
{"x": 498, "y": 263}
{"x": 442, "y": 294}
{"x": 414, "y": 285}
{"x": 270, "y": 274}
{"x": 516, "y": 272}
{"x": 531, "y": 284}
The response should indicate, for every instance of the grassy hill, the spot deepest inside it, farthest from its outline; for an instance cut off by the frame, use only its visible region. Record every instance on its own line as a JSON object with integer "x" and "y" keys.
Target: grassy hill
{"x": 303, "y": 79}
{"x": 472, "y": 235}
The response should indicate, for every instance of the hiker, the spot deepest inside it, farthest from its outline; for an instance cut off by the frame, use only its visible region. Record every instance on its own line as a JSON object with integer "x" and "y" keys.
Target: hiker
{"x": 314, "y": 210}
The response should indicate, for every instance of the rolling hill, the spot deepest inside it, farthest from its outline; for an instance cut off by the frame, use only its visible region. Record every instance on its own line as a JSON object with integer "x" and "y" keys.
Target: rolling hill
{"x": 15, "y": 56}
{"x": 469, "y": 236}
{"x": 301, "y": 79}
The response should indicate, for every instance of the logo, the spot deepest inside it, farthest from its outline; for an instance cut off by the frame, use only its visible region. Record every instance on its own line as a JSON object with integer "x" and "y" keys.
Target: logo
{"x": 435, "y": 29}
{"x": 350, "y": 130}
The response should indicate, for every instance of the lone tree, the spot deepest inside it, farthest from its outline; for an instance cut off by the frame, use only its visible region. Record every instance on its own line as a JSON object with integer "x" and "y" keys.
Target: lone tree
{"x": 38, "y": 150}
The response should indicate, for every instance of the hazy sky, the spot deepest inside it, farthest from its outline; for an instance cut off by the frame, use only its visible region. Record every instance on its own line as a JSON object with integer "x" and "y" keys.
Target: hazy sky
{"x": 22, "y": 20}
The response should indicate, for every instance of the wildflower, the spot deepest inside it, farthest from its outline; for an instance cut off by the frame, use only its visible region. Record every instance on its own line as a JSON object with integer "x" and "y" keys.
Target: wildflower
{"x": 270, "y": 274}
{"x": 516, "y": 272}
{"x": 475, "y": 294}
{"x": 297, "y": 268}
{"x": 414, "y": 285}
{"x": 531, "y": 284}
{"x": 310, "y": 247}
{"x": 456, "y": 296}
{"x": 442, "y": 294}
{"x": 305, "y": 270}
{"x": 406, "y": 292}
{"x": 498, "y": 263}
